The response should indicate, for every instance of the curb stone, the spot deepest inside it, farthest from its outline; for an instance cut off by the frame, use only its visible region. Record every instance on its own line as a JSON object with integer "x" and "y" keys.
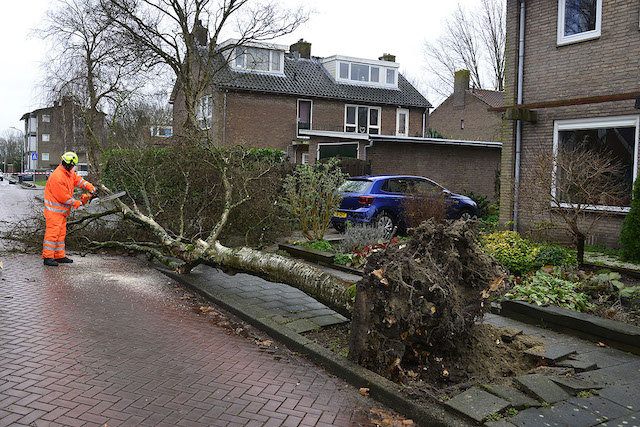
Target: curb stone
{"x": 381, "y": 389}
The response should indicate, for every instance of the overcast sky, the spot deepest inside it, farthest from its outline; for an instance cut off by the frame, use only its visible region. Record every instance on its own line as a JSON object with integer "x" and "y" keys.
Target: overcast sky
{"x": 359, "y": 28}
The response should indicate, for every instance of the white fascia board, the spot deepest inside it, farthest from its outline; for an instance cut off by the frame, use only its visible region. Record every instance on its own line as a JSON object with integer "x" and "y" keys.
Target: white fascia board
{"x": 438, "y": 141}
{"x": 375, "y": 62}
{"x": 272, "y": 46}
{"x": 333, "y": 134}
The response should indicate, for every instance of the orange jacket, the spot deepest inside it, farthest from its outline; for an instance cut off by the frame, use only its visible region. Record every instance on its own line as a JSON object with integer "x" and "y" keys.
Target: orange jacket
{"x": 58, "y": 193}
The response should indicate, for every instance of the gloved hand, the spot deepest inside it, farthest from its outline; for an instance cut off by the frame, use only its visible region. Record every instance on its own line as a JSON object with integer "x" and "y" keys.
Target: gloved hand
{"x": 86, "y": 197}
{"x": 76, "y": 204}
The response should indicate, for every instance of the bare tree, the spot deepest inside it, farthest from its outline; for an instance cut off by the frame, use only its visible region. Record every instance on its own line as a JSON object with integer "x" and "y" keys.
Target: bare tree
{"x": 88, "y": 64}
{"x": 571, "y": 188}
{"x": 472, "y": 40}
{"x": 10, "y": 149}
{"x": 169, "y": 32}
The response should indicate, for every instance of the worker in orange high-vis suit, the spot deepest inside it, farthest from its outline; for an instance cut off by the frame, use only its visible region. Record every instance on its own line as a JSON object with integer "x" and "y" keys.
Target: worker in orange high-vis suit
{"x": 58, "y": 202}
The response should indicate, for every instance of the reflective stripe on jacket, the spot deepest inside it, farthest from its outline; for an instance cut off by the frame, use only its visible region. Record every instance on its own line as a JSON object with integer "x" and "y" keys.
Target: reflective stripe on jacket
{"x": 58, "y": 193}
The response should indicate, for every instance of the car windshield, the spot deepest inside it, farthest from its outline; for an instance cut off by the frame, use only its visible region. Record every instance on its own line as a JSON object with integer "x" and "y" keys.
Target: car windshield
{"x": 355, "y": 186}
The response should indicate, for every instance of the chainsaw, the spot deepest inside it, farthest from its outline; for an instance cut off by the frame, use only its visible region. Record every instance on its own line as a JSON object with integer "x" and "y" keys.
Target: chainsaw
{"x": 88, "y": 197}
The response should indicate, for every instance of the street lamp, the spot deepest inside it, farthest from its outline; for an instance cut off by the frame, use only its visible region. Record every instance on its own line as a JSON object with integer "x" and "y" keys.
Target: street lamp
{"x": 22, "y": 146}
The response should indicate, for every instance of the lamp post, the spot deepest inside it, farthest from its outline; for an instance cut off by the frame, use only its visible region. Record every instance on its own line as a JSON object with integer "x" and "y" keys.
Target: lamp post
{"x": 22, "y": 147}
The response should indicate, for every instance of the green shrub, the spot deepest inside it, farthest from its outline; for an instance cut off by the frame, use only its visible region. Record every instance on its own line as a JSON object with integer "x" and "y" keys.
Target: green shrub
{"x": 483, "y": 203}
{"x": 512, "y": 251}
{"x": 630, "y": 232}
{"x": 543, "y": 288}
{"x": 319, "y": 245}
{"x": 554, "y": 255}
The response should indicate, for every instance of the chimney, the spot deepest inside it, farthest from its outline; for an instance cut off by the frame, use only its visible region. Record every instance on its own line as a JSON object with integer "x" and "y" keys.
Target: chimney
{"x": 460, "y": 86}
{"x": 201, "y": 34}
{"x": 387, "y": 57}
{"x": 301, "y": 47}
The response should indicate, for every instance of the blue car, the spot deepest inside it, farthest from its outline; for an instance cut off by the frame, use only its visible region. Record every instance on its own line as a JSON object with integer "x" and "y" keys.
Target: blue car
{"x": 377, "y": 199}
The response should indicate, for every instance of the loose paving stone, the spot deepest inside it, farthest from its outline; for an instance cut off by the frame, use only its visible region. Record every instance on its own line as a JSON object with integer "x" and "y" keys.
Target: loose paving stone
{"x": 302, "y": 325}
{"x": 477, "y": 404}
{"x": 508, "y": 334}
{"x": 627, "y": 396}
{"x": 542, "y": 388}
{"x": 575, "y": 385}
{"x": 331, "y": 319}
{"x": 552, "y": 353}
{"x": 578, "y": 365}
{"x": 625, "y": 374}
{"x": 632, "y": 420}
{"x": 516, "y": 398}
{"x": 499, "y": 423}
{"x": 571, "y": 415}
{"x": 534, "y": 418}
{"x": 603, "y": 408}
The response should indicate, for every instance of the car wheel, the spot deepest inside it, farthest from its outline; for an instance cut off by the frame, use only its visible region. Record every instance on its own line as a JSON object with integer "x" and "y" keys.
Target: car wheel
{"x": 385, "y": 221}
{"x": 465, "y": 214}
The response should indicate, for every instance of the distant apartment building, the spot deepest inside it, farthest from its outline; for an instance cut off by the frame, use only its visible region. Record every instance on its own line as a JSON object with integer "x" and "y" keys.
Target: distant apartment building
{"x": 52, "y": 131}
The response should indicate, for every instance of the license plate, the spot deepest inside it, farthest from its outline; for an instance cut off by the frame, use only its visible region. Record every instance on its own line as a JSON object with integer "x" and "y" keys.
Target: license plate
{"x": 340, "y": 214}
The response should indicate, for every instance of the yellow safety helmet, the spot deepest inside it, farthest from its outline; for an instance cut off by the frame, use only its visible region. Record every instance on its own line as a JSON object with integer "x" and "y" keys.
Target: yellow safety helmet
{"x": 69, "y": 159}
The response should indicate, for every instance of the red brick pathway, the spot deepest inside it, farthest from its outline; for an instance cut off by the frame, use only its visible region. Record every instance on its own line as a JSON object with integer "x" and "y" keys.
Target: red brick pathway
{"x": 107, "y": 340}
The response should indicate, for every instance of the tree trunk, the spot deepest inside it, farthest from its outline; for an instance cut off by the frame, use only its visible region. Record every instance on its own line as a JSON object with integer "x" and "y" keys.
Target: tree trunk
{"x": 580, "y": 247}
{"x": 330, "y": 290}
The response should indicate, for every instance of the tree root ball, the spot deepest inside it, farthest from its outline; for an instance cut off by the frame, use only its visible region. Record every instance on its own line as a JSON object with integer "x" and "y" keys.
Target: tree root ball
{"x": 418, "y": 300}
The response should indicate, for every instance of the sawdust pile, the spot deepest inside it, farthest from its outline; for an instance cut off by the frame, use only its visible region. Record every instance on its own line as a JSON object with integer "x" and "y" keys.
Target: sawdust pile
{"x": 418, "y": 301}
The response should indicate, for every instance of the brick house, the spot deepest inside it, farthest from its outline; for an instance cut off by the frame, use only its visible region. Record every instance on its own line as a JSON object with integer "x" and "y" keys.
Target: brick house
{"x": 312, "y": 108}
{"x": 465, "y": 113}
{"x": 52, "y": 131}
{"x": 580, "y": 79}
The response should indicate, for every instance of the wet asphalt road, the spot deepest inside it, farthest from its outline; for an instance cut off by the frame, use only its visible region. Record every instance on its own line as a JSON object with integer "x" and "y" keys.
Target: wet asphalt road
{"x": 108, "y": 340}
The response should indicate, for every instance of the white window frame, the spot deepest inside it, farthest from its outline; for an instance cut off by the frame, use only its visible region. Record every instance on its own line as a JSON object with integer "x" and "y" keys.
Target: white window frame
{"x": 298, "y": 116}
{"x": 204, "y": 122}
{"x": 245, "y": 61}
{"x": 574, "y": 38}
{"x": 45, "y": 137}
{"x": 338, "y": 143}
{"x": 379, "y": 126}
{"x": 382, "y": 75}
{"x": 44, "y": 157}
{"x": 596, "y": 123}
{"x": 46, "y": 118}
{"x": 304, "y": 159}
{"x": 404, "y": 132}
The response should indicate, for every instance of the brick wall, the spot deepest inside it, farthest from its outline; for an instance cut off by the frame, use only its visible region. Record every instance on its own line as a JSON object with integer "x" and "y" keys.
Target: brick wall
{"x": 479, "y": 124}
{"x": 456, "y": 168}
{"x": 605, "y": 66}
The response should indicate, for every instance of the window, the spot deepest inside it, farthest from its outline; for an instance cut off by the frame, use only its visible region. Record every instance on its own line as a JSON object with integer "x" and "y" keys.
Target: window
{"x": 256, "y": 59}
{"x": 304, "y": 114}
{"x": 162, "y": 131}
{"x": 305, "y": 158}
{"x": 46, "y": 118}
{"x": 402, "y": 122}
{"x": 44, "y": 157}
{"x": 612, "y": 136}
{"x": 337, "y": 149}
{"x": 205, "y": 111}
{"x": 362, "y": 119}
{"x": 578, "y": 20}
{"x": 366, "y": 74}
{"x": 391, "y": 76}
{"x": 45, "y": 137}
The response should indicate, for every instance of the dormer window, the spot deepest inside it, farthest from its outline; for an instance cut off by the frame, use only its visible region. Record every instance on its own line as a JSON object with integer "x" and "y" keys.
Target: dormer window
{"x": 258, "y": 59}
{"x": 362, "y": 71}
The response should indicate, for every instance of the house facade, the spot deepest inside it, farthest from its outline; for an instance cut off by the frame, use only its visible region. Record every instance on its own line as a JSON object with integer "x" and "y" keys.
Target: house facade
{"x": 314, "y": 108}
{"x": 52, "y": 131}
{"x": 465, "y": 113}
{"x": 578, "y": 64}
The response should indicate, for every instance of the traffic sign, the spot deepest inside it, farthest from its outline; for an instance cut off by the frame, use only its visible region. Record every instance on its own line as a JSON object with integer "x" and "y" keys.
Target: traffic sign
{"x": 34, "y": 156}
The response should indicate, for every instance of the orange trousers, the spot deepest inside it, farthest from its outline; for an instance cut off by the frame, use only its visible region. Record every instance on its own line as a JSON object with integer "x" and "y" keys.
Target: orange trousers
{"x": 55, "y": 232}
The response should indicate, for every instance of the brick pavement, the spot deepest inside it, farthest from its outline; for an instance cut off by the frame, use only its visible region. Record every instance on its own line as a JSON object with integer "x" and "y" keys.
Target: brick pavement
{"x": 107, "y": 340}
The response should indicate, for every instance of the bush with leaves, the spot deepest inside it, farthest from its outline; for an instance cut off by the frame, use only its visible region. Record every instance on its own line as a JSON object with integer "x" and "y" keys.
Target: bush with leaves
{"x": 511, "y": 250}
{"x": 482, "y": 202}
{"x": 630, "y": 232}
{"x": 310, "y": 196}
{"x": 554, "y": 255}
{"x": 543, "y": 288}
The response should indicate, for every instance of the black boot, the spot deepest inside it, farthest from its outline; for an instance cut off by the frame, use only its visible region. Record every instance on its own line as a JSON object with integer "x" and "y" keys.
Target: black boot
{"x": 50, "y": 262}
{"x": 65, "y": 260}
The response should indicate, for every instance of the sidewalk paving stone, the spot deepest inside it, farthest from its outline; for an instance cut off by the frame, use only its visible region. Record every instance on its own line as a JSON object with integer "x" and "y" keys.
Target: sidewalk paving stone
{"x": 575, "y": 385}
{"x": 604, "y": 408}
{"x": 571, "y": 415}
{"x": 553, "y": 353}
{"x": 627, "y": 396}
{"x": 542, "y": 388}
{"x": 515, "y": 398}
{"x": 477, "y": 404}
{"x": 534, "y": 417}
{"x": 632, "y": 420}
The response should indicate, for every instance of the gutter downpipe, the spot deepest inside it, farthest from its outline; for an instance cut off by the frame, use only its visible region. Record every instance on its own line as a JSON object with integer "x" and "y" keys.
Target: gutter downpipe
{"x": 224, "y": 118}
{"x": 369, "y": 145}
{"x": 516, "y": 190}
{"x": 424, "y": 121}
